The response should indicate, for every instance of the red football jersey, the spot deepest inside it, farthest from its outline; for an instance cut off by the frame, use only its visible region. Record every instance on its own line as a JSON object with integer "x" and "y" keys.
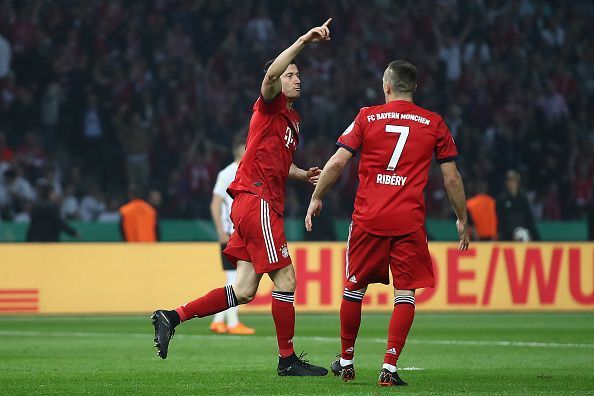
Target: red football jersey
{"x": 397, "y": 141}
{"x": 271, "y": 143}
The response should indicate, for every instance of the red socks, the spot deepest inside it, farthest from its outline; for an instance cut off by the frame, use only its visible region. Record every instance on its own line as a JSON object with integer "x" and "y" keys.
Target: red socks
{"x": 350, "y": 320}
{"x": 400, "y": 323}
{"x": 217, "y": 300}
{"x": 283, "y": 313}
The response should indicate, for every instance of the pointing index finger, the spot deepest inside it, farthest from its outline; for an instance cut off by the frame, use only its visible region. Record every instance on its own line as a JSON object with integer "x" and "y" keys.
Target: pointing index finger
{"x": 327, "y": 22}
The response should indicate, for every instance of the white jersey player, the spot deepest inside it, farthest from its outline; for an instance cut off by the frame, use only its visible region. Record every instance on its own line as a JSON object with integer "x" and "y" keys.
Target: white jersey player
{"x": 220, "y": 209}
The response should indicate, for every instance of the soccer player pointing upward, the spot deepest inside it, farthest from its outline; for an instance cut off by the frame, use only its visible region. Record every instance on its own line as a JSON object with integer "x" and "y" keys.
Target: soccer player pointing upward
{"x": 258, "y": 245}
{"x": 397, "y": 141}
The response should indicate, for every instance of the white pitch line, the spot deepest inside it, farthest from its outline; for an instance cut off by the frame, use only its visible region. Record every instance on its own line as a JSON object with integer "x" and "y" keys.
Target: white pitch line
{"x": 305, "y": 338}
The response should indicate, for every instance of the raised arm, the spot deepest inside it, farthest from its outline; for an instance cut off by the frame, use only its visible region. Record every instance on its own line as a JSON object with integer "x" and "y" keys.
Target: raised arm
{"x": 328, "y": 177}
{"x": 455, "y": 190}
{"x": 271, "y": 85}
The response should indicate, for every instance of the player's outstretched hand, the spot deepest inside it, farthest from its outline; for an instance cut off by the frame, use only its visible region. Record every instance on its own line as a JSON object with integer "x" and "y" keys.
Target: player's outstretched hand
{"x": 463, "y": 235}
{"x": 313, "y": 175}
{"x": 317, "y": 34}
{"x": 315, "y": 207}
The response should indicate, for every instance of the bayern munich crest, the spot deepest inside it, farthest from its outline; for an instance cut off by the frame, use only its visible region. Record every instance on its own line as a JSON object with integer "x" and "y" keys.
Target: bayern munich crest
{"x": 284, "y": 251}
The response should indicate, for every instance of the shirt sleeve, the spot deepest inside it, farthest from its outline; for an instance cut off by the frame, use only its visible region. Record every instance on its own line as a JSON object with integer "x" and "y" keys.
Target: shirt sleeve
{"x": 352, "y": 138}
{"x": 445, "y": 147}
{"x": 276, "y": 105}
{"x": 220, "y": 187}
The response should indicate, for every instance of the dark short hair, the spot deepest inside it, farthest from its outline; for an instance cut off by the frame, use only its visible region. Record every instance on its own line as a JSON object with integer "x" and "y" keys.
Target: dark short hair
{"x": 513, "y": 174}
{"x": 10, "y": 173}
{"x": 402, "y": 76}
{"x": 267, "y": 65}
{"x": 44, "y": 188}
{"x": 134, "y": 191}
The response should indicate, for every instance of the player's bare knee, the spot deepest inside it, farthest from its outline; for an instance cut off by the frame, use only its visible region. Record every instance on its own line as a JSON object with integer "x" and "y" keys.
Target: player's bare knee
{"x": 244, "y": 295}
{"x": 245, "y": 292}
{"x": 286, "y": 283}
{"x": 402, "y": 292}
{"x": 246, "y": 298}
{"x": 284, "y": 279}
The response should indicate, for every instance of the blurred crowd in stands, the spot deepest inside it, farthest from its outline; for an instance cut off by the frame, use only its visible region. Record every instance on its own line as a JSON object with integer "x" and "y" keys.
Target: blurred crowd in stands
{"x": 96, "y": 95}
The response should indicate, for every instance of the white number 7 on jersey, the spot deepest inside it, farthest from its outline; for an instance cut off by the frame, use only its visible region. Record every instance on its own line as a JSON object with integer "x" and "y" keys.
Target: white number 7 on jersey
{"x": 403, "y": 131}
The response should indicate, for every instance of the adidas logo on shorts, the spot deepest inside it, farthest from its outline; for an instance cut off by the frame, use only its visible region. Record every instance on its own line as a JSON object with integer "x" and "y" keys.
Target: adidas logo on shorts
{"x": 353, "y": 279}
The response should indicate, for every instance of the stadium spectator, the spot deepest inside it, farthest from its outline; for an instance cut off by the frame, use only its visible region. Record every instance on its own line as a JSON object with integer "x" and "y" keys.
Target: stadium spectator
{"x": 92, "y": 205}
{"x": 15, "y": 192}
{"x": 260, "y": 29}
{"x": 24, "y": 216}
{"x": 50, "y": 112}
{"x": 139, "y": 221}
{"x": 155, "y": 198}
{"x": 5, "y": 57}
{"x": 136, "y": 137}
{"x": 500, "y": 68}
{"x": 483, "y": 214}
{"x": 46, "y": 222}
{"x": 6, "y": 153}
{"x": 93, "y": 135}
{"x": 70, "y": 204}
{"x": 551, "y": 204}
{"x": 515, "y": 218}
{"x": 32, "y": 155}
{"x": 450, "y": 52}
{"x": 112, "y": 211}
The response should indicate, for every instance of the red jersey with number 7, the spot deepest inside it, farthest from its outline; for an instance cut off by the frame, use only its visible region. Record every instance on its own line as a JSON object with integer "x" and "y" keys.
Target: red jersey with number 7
{"x": 397, "y": 142}
{"x": 271, "y": 143}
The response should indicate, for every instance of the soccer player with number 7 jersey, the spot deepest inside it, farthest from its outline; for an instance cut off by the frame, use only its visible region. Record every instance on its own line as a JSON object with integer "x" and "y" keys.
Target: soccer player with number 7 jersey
{"x": 396, "y": 142}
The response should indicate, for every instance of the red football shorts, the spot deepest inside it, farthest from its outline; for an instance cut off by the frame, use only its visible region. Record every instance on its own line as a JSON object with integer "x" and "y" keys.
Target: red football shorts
{"x": 369, "y": 257}
{"x": 259, "y": 235}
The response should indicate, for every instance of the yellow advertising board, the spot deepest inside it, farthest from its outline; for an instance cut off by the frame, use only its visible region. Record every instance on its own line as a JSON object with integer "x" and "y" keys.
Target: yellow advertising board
{"x": 137, "y": 278}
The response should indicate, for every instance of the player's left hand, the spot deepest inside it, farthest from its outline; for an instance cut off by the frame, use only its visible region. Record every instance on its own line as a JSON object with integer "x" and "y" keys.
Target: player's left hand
{"x": 463, "y": 235}
{"x": 315, "y": 207}
{"x": 313, "y": 175}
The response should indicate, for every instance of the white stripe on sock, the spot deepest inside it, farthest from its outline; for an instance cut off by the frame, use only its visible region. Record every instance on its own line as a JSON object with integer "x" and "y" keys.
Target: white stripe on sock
{"x": 227, "y": 294}
{"x": 283, "y": 297}
{"x": 354, "y": 296}
{"x": 231, "y": 297}
{"x": 404, "y": 300}
{"x": 354, "y": 292}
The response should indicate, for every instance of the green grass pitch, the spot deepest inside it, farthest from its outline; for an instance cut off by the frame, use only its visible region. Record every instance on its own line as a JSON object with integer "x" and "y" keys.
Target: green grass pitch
{"x": 527, "y": 354}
